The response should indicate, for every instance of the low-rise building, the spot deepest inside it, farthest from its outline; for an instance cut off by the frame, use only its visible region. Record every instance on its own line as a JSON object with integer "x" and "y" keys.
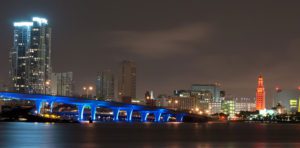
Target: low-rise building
{"x": 162, "y": 100}
{"x": 244, "y": 104}
{"x": 289, "y": 99}
{"x": 228, "y": 107}
{"x": 215, "y": 107}
{"x": 182, "y": 103}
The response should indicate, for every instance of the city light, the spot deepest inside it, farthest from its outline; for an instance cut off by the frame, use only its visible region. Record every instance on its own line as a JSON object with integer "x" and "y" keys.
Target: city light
{"x": 23, "y": 24}
{"x": 87, "y": 89}
{"x": 121, "y": 53}
{"x": 40, "y": 20}
{"x": 90, "y": 88}
{"x": 48, "y": 82}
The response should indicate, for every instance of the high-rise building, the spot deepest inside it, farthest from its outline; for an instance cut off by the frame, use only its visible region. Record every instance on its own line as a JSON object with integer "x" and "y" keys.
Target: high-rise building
{"x": 208, "y": 92}
{"x": 127, "y": 81}
{"x": 30, "y": 57}
{"x": 105, "y": 85}
{"x": 61, "y": 84}
{"x": 260, "y": 94}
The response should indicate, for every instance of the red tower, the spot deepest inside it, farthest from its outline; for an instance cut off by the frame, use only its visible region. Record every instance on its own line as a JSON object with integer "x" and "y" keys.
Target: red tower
{"x": 260, "y": 94}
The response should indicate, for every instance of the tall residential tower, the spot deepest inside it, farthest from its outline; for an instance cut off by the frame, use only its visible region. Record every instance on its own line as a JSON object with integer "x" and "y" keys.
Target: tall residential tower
{"x": 30, "y": 56}
{"x": 127, "y": 81}
{"x": 260, "y": 94}
{"x": 105, "y": 85}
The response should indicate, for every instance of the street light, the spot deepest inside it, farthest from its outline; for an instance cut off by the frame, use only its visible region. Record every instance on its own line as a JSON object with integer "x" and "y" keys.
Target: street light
{"x": 90, "y": 88}
{"x": 87, "y": 89}
{"x": 47, "y": 83}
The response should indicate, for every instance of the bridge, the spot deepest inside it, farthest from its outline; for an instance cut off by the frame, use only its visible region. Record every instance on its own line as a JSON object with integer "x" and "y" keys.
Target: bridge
{"x": 82, "y": 103}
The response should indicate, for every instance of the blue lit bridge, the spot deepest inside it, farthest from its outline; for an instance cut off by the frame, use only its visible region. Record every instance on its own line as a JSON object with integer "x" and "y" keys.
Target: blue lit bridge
{"x": 160, "y": 114}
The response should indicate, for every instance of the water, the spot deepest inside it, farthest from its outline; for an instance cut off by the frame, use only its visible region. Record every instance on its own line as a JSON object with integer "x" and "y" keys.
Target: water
{"x": 147, "y": 135}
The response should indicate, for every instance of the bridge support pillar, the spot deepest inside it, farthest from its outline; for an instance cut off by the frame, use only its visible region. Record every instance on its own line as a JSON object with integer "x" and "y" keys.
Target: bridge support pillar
{"x": 116, "y": 114}
{"x": 157, "y": 116}
{"x": 93, "y": 112}
{"x": 166, "y": 117}
{"x": 129, "y": 114}
{"x": 144, "y": 116}
{"x": 179, "y": 117}
{"x": 80, "y": 109}
{"x": 38, "y": 106}
{"x": 51, "y": 103}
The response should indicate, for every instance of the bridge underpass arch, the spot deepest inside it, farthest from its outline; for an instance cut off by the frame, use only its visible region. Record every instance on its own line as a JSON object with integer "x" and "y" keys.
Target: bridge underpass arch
{"x": 127, "y": 112}
{"x": 136, "y": 116}
{"x": 80, "y": 109}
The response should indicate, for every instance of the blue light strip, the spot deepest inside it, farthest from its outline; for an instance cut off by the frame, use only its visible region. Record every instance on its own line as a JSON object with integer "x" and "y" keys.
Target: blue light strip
{"x": 81, "y": 103}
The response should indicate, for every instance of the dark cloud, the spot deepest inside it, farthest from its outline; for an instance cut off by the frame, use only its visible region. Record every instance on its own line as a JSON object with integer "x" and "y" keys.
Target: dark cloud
{"x": 163, "y": 43}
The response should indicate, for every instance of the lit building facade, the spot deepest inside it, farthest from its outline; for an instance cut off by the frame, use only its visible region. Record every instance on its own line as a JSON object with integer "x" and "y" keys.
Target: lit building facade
{"x": 209, "y": 92}
{"x": 260, "y": 94}
{"x": 228, "y": 107}
{"x": 215, "y": 107}
{"x": 30, "y": 57}
{"x": 182, "y": 103}
{"x": 61, "y": 84}
{"x": 244, "y": 104}
{"x": 127, "y": 81}
{"x": 105, "y": 85}
{"x": 288, "y": 99}
{"x": 208, "y": 97}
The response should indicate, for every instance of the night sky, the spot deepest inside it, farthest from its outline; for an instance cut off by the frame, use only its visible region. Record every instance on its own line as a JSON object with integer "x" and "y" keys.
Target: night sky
{"x": 174, "y": 44}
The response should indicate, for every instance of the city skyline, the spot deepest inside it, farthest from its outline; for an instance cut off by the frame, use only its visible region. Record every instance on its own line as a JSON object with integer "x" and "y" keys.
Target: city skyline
{"x": 135, "y": 73}
{"x": 241, "y": 47}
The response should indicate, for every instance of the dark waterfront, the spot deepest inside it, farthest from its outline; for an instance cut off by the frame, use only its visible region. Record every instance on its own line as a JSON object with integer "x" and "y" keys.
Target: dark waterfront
{"x": 17, "y": 134}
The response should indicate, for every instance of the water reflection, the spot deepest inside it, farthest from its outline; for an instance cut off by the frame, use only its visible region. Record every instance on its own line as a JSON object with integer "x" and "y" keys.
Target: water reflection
{"x": 173, "y": 135}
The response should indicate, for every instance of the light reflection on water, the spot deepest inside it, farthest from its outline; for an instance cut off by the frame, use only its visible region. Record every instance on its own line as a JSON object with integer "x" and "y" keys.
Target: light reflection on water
{"x": 147, "y": 135}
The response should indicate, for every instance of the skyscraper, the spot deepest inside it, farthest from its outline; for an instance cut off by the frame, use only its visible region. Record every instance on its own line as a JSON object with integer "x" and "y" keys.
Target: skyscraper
{"x": 127, "y": 81}
{"x": 105, "y": 85}
{"x": 62, "y": 84}
{"x": 260, "y": 94}
{"x": 30, "y": 56}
